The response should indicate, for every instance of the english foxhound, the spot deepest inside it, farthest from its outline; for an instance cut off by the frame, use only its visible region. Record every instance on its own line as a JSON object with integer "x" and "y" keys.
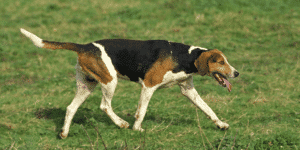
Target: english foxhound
{"x": 152, "y": 63}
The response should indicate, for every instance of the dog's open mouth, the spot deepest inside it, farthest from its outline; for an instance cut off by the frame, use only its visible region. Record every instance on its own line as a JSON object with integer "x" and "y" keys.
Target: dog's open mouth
{"x": 222, "y": 81}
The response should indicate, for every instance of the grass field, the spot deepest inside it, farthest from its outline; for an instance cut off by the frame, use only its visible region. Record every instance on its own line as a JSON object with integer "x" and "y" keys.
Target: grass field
{"x": 261, "y": 39}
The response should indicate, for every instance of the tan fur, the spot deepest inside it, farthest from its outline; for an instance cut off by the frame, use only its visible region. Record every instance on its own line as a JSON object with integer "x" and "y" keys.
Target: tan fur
{"x": 58, "y": 45}
{"x": 156, "y": 73}
{"x": 218, "y": 64}
{"x": 94, "y": 67}
{"x": 212, "y": 61}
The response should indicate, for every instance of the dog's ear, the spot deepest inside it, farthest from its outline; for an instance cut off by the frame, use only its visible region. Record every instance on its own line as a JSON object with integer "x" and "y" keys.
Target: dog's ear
{"x": 201, "y": 62}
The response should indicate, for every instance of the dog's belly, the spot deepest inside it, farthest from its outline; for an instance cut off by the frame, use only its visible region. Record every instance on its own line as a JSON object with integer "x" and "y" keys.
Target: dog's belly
{"x": 124, "y": 77}
{"x": 169, "y": 80}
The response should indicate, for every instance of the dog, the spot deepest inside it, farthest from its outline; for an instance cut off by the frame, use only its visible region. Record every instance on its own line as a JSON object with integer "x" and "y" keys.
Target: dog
{"x": 152, "y": 63}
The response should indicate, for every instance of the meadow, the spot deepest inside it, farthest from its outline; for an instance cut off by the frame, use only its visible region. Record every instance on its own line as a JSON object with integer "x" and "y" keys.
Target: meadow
{"x": 261, "y": 39}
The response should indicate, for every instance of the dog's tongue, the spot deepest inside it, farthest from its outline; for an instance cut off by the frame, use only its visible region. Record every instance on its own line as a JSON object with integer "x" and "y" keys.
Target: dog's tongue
{"x": 228, "y": 85}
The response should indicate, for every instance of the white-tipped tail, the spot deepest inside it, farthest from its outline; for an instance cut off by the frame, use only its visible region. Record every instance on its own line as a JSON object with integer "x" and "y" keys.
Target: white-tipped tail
{"x": 35, "y": 39}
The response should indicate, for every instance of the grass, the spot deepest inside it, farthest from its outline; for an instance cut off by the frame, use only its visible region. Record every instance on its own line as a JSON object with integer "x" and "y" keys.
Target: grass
{"x": 260, "y": 39}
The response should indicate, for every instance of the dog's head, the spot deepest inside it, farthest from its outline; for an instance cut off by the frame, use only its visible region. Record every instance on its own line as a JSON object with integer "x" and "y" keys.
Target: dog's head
{"x": 214, "y": 63}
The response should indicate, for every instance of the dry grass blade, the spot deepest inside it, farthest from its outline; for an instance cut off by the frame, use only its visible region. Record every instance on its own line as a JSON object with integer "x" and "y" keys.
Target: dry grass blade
{"x": 144, "y": 143}
{"x": 248, "y": 146}
{"x": 88, "y": 136}
{"x": 140, "y": 140}
{"x": 98, "y": 132}
{"x": 200, "y": 129}
{"x": 166, "y": 126}
{"x": 202, "y": 132}
{"x": 222, "y": 140}
{"x": 125, "y": 144}
{"x": 234, "y": 139}
{"x": 12, "y": 145}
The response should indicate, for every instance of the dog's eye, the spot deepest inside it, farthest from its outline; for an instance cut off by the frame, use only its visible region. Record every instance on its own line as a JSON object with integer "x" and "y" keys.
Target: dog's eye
{"x": 222, "y": 62}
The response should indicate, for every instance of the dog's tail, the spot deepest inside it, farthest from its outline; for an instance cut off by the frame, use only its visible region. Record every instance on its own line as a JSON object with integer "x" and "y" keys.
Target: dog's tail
{"x": 51, "y": 45}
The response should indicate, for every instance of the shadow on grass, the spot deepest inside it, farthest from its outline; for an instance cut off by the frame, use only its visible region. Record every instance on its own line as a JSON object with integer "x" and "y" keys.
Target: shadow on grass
{"x": 57, "y": 115}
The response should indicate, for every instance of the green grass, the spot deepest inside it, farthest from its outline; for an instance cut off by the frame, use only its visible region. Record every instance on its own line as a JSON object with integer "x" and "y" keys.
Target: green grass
{"x": 260, "y": 38}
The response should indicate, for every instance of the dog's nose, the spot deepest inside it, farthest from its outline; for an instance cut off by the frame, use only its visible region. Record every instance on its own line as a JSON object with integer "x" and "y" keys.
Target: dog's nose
{"x": 236, "y": 73}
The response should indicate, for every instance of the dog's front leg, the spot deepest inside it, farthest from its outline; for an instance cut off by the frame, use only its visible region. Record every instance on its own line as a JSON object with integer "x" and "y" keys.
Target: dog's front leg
{"x": 188, "y": 90}
{"x": 146, "y": 95}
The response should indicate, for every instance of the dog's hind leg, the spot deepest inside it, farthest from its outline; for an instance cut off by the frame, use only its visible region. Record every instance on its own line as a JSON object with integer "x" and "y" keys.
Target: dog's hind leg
{"x": 85, "y": 87}
{"x": 107, "y": 95}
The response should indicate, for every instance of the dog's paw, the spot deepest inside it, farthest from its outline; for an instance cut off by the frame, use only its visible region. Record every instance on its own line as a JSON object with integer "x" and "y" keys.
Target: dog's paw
{"x": 124, "y": 124}
{"x": 138, "y": 129}
{"x": 222, "y": 125}
{"x": 62, "y": 135}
